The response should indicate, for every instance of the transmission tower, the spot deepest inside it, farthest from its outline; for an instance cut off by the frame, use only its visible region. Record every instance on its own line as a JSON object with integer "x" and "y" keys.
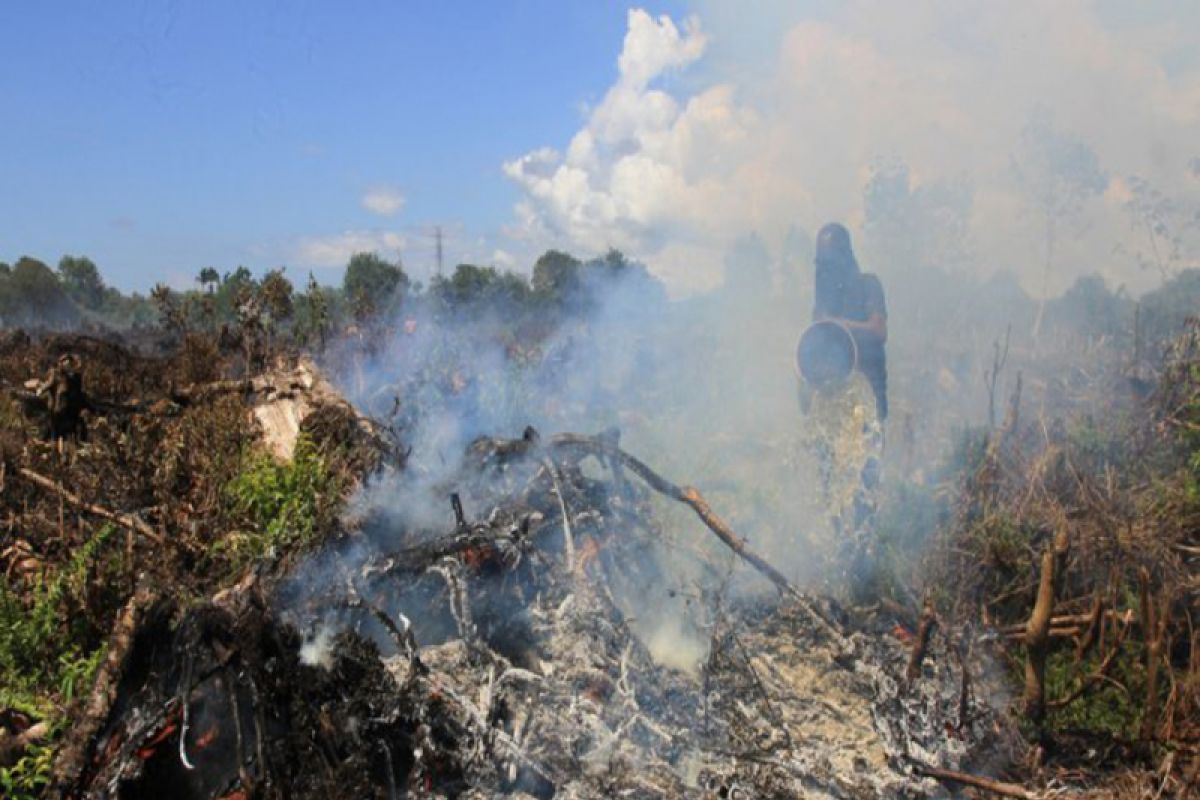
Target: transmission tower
{"x": 438, "y": 235}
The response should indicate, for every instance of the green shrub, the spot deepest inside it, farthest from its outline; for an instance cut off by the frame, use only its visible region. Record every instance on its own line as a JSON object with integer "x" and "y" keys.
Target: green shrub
{"x": 46, "y": 659}
{"x": 1114, "y": 707}
{"x": 28, "y": 778}
{"x": 278, "y": 506}
{"x": 42, "y": 636}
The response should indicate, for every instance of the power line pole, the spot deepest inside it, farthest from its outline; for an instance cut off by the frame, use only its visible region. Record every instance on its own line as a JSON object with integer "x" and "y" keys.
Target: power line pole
{"x": 438, "y": 234}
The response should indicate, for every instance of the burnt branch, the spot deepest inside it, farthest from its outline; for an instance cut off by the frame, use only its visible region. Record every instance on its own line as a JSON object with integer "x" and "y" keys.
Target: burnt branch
{"x": 690, "y": 496}
{"x": 73, "y": 756}
{"x": 977, "y": 781}
{"x": 921, "y": 644}
{"x": 129, "y": 521}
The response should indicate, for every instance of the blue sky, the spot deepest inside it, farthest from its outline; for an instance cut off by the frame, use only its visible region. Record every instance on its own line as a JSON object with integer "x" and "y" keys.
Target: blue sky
{"x": 158, "y": 138}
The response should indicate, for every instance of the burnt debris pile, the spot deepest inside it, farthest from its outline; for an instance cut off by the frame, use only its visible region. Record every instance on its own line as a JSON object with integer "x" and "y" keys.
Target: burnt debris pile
{"x": 494, "y": 645}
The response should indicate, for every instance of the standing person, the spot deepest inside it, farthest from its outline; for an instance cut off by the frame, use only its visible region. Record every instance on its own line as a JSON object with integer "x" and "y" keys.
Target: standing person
{"x": 845, "y": 436}
{"x": 846, "y": 295}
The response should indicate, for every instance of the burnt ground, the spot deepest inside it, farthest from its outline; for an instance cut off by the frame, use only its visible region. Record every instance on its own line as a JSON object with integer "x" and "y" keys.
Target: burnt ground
{"x": 496, "y": 647}
{"x": 494, "y": 657}
{"x": 136, "y": 493}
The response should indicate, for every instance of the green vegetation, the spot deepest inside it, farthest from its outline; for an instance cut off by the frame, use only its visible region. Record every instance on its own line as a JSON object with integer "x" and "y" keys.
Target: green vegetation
{"x": 28, "y": 778}
{"x": 1115, "y": 479}
{"x": 1113, "y": 707}
{"x": 372, "y": 285}
{"x": 473, "y": 288}
{"x": 48, "y": 654}
{"x": 1166, "y": 309}
{"x": 278, "y": 508}
{"x": 40, "y": 634}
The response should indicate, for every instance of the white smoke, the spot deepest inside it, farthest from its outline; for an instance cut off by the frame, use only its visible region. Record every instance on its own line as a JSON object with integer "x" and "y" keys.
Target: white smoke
{"x": 773, "y": 118}
{"x": 317, "y": 651}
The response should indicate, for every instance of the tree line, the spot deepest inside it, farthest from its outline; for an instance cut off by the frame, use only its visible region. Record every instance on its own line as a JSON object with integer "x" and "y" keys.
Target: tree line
{"x": 373, "y": 289}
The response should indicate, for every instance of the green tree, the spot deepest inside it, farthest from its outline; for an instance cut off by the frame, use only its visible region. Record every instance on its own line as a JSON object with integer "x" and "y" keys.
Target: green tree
{"x": 6, "y": 298}
{"x": 249, "y": 311}
{"x": 208, "y": 278}
{"x": 914, "y": 228}
{"x": 473, "y": 286}
{"x": 1058, "y": 173}
{"x": 233, "y": 288}
{"x": 371, "y": 283}
{"x": 556, "y": 277}
{"x": 316, "y": 314}
{"x": 621, "y": 284}
{"x": 1166, "y": 227}
{"x": 277, "y": 294}
{"x": 82, "y": 281}
{"x": 1165, "y": 310}
{"x": 796, "y": 267}
{"x": 239, "y": 277}
{"x": 1090, "y": 309}
{"x": 36, "y": 296}
{"x": 172, "y": 310}
{"x": 748, "y": 267}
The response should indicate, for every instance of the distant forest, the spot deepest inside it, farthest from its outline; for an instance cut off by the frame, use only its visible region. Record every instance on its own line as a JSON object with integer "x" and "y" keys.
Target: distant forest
{"x": 375, "y": 290}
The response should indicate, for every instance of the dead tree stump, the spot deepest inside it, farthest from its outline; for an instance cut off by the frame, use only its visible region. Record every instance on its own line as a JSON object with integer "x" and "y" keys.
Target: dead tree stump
{"x": 1037, "y": 630}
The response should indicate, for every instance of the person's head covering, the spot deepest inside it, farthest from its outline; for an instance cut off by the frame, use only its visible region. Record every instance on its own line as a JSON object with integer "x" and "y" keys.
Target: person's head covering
{"x": 836, "y": 268}
{"x": 833, "y": 244}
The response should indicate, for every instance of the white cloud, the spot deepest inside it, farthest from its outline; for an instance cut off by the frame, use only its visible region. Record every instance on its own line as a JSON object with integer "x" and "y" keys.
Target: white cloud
{"x": 503, "y": 259}
{"x": 386, "y": 201}
{"x": 654, "y": 46}
{"x": 335, "y": 250}
{"x": 946, "y": 87}
{"x": 626, "y": 176}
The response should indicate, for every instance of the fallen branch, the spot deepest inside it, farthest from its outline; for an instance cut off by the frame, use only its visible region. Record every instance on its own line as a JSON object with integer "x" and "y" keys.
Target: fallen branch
{"x": 1066, "y": 621}
{"x": 198, "y": 392}
{"x": 979, "y": 782}
{"x": 1053, "y": 633}
{"x": 14, "y": 745}
{"x": 602, "y": 446}
{"x": 568, "y": 536}
{"x": 404, "y": 640}
{"x": 129, "y": 521}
